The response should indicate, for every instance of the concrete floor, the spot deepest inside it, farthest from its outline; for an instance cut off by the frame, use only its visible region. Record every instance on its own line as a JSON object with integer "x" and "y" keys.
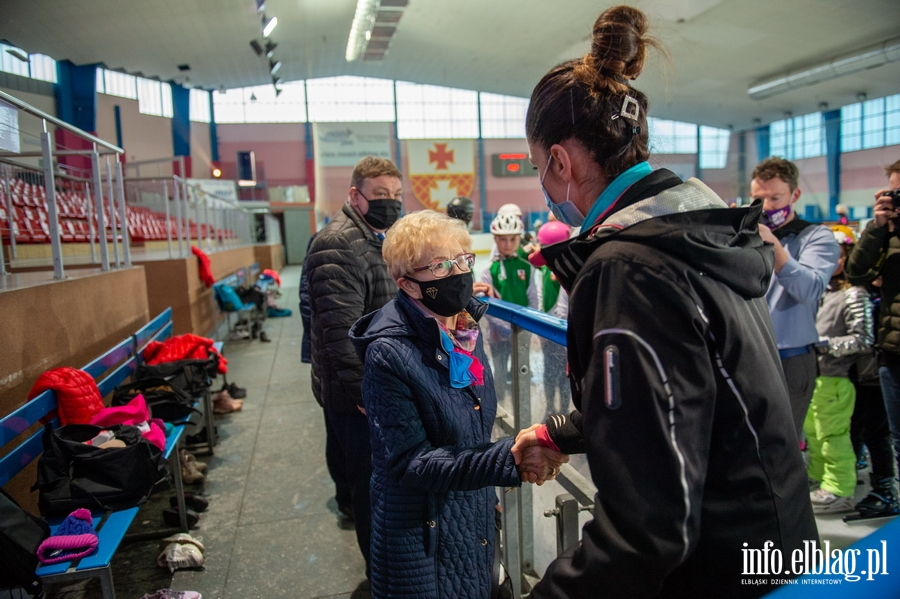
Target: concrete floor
{"x": 272, "y": 529}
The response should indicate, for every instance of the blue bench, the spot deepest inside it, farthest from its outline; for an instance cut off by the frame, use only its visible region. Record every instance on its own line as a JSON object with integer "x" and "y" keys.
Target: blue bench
{"x": 110, "y": 527}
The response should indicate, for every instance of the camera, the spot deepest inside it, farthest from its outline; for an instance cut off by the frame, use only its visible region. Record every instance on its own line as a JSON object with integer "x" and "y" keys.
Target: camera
{"x": 895, "y": 198}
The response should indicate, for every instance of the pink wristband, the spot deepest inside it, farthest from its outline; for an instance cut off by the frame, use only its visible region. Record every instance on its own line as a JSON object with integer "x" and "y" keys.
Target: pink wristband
{"x": 544, "y": 439}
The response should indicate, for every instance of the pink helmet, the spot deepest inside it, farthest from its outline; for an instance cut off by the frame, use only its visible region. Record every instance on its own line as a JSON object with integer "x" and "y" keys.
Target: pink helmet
{"x": 553, "y": 232}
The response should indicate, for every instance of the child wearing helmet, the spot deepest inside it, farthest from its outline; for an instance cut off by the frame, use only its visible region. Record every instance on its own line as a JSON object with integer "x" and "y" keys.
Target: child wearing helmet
{"x": 513, "y": 279}
{"x": 844, "y": 323}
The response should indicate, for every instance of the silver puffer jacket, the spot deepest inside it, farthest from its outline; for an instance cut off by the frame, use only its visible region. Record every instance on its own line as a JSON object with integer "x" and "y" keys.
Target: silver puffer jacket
{"x": 844, "y": 323}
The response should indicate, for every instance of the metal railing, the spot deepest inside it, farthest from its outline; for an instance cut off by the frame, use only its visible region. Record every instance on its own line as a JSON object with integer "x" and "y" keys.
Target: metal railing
{"x": 50, "y": 171}
{"x": 527, "y": 353}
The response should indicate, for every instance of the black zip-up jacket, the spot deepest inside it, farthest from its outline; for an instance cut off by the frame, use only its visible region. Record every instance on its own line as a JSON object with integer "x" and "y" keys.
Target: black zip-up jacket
{"x": 682, "y": 406}
{"x": 347, "y": 279}
{"x": 878, "y": 254}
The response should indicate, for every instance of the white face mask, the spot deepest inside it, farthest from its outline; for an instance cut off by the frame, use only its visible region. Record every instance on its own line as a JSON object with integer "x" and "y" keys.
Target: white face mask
{"x": 567, "y": 212}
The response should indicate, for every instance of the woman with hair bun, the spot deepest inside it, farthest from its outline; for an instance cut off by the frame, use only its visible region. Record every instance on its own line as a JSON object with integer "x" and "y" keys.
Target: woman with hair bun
{"x": 681, "y": 404}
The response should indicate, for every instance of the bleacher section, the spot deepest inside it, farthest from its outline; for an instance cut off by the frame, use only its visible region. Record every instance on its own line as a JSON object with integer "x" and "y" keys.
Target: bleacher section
{"x": 31, "y": 223}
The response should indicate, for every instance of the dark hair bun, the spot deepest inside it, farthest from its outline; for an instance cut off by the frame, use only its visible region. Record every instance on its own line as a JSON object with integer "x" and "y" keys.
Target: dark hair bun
{"x": 618, "y": 50}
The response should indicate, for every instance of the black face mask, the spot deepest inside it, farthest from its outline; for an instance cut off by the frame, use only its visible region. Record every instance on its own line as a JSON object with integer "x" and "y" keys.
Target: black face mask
{"x": 448, "y": 296}
{"x": 382, "y": 213}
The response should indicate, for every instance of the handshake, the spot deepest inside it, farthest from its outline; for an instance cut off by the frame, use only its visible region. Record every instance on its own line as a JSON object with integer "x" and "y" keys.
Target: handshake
{"x": 536, "y": 463}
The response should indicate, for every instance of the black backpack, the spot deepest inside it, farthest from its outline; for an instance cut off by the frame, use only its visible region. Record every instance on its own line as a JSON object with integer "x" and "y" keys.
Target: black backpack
{"x": 191, "y": 376}
{"x": 20, "y": 536}
{"x": 164, "y": 399}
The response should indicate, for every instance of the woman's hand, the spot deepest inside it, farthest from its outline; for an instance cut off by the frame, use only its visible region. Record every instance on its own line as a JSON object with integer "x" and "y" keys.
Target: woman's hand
{"x": 539, "y": 464}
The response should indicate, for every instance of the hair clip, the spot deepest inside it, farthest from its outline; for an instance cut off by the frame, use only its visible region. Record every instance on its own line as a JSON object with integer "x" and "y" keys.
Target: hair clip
{"x": 630, "y": 108}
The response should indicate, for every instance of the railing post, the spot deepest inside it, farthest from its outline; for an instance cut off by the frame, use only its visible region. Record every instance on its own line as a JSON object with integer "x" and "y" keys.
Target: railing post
{"x": 101, "y": 221}
{"x": 176, "y": 197}
{"x": 90, "y": 217}
{"x": 567, "y": 529}
{"x": 112, "y": 212}
{"x": 10, "y": 216}
{"x": 168, "y": 224}
{"x": 521, "y": 395}
{"x": 50, "y": 188}
{"x": 126, "y": 244}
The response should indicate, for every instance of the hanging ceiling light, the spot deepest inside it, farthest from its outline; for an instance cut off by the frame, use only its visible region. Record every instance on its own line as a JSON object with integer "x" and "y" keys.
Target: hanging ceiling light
{"x": 269, "y": 25}
{"x": 274, "y": 66}
{"x": 361, "y": 28}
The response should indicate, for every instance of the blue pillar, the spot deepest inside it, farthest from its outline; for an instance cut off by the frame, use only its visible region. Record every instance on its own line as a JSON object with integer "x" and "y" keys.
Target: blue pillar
{"x": 213, "y": 137}
{"x": 76, "y": 94}
{"x": 117, "y": 112}
{"x": 832, "y": 120}
{"x": 181, "y": 120}
{"x": 763, "y": 149}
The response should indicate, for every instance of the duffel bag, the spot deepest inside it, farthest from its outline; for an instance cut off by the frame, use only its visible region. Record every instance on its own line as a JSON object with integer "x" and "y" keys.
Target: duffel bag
{"x": 73, "y": 474}
{"x": 165, "y": 400}
{"x": 20, "y": 536}
{"x": 191, "y": 376}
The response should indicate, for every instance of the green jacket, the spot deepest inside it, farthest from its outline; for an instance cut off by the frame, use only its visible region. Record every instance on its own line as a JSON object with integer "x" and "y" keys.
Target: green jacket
{"x": 878, "y": 253}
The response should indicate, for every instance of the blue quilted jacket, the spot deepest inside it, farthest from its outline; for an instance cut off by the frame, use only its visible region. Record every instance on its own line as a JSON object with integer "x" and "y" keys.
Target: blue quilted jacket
{"x": 434, "y": 467}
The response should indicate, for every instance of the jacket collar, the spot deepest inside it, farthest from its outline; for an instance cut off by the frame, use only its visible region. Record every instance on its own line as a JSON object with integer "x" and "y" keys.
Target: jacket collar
{"x": 357, "y": 220}
{"x": 428, "y": 328}
{"x": 566, "y": 258}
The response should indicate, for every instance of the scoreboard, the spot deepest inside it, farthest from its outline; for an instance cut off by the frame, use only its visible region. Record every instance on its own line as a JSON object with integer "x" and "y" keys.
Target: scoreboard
{"x": 512, "y": 165}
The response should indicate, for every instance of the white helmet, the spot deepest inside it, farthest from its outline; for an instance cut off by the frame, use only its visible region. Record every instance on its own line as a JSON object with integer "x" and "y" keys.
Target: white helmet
{"x": 509, "y": 209}
{"x": 507, "y": 224}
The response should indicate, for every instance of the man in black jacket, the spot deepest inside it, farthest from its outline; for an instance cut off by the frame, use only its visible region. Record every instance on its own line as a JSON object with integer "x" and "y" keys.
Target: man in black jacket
{"x": 347, "y": 279}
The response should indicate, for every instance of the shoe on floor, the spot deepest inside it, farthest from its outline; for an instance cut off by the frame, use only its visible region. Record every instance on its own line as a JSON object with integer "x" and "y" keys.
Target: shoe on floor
{"x": 235, "y": 391}
{"x": 189, "y": 471}
{"x": 223, "y": 403}
{"x": 347, "y": 511}
{"x": 196, "y": 502}
{"x": 826, "y": 502}
{"x": 180, "y": 555}
{"x": 189, "y": 457}
{"x": 263, "y": 336}
{"x": 200, "y": 438}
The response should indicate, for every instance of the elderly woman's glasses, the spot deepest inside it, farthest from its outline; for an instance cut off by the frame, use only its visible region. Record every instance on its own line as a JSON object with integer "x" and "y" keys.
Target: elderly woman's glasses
{"x": 442, "y": 268}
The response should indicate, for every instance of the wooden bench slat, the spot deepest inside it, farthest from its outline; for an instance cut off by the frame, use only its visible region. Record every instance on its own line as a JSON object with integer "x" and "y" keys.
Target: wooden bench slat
{"x": 13, "y": 463}
{"x": 151, "y": 328}
{"x": 117, "y": 376}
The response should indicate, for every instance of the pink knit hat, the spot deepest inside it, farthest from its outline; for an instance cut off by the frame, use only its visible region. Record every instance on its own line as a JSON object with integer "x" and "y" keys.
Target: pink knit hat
{"x": 74, "y": 538}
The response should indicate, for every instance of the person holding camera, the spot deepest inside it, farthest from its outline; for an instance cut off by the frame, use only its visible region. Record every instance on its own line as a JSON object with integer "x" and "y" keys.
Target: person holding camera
{"x": 806, "y": 256}
{"x": 878, "y": 253}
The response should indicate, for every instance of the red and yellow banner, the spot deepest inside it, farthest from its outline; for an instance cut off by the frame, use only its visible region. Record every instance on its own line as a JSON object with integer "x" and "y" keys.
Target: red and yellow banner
{"x": 441, "y": 169}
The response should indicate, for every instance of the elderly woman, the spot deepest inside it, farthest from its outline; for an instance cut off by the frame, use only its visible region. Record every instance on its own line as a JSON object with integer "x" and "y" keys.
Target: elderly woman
{"x": 429, "y": 396}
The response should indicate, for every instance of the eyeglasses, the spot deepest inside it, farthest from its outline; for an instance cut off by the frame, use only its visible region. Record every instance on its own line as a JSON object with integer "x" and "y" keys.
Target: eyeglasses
{"x": 442, "y": 268}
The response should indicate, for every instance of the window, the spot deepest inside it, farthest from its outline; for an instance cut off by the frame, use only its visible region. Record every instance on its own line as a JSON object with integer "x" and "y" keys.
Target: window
{"x": 714, "y": 147}
{"x": 870, "y": 124}
{"x": 43, "y": 67}
{"x": 154, "y": 97}
{"x": 672, "y": 137}
{"x": 798, "y": 137}
{"x": 117, "y": 84}
{"x": 432, "y": 112}
{"x": 200, "y": 106}
{"x": 337, "y": 99}
{"x": 502, "y": 116}
{"x": 12, "y": 64}
{"x": 260, "y": 104}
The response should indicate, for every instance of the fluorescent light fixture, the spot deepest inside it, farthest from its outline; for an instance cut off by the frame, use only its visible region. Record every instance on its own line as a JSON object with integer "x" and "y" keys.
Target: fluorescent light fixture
{"x": 18, "y": 54}
{"x": 269, "y": 25}
{"x": 270, "y": 48}
{"x": 361, "y": 28}
{"x": 246, "y": 183}
{"x": 260, "y": 5}
{"x": 274, "y": 66}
